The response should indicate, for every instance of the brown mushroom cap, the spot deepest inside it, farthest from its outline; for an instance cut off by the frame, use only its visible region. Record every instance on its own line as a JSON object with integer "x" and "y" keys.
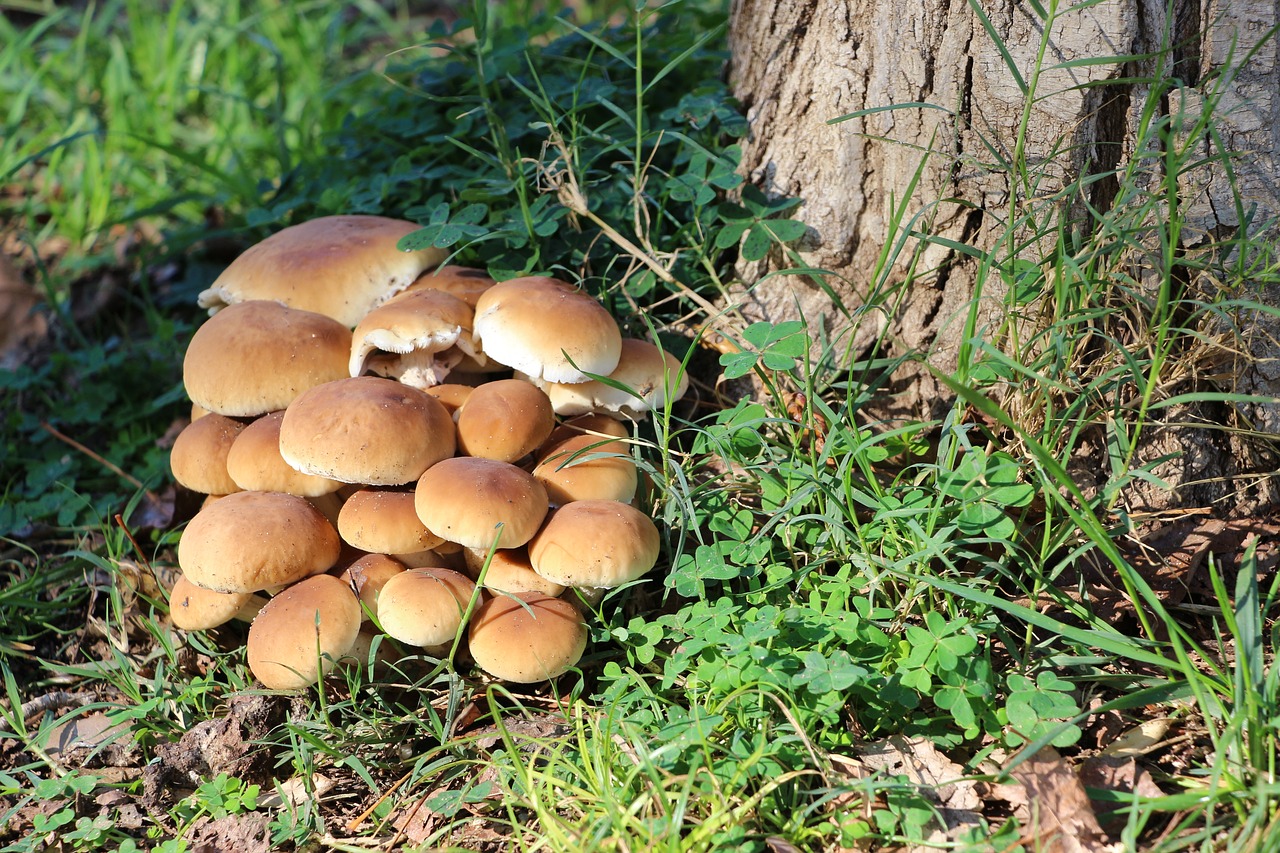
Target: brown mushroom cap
{"x": 194, "y": 608}
{"x": 366, "y": 430}
{"x": 339, "y": 266}
{"x": 504, "y": 420}
{"x": 255, "y": 463}
{"x": 384, "y": 522}
{"x": 464, "y": 499}
{"x": 367, "y": 576}
{"x": 547, "y": 330}
{"x": 424, "y": 607}
{"x": 651, "y": 375}
{"x": 415, "y": 338}
{"x": 451, "y": 395}
{"x": 199, "y": 454}
{"x": 595, "y": 543}
{"x": 600, "y": 426}
{"x": 466, "y": 283}
{"x": 298, "y": 636}
{"x": 527, "y": 637}
{"x": 509, "y": 571}
{"x": 256, "y": 357}
{"x": 250, "y": 541}
{"x": 587, "y": 468}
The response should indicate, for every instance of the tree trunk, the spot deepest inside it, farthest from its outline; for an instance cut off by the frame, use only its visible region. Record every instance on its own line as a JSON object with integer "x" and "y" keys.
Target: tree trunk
{"x": 939, "y": 106}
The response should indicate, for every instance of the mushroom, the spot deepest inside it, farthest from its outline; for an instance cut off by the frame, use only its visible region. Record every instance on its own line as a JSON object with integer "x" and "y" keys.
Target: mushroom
{"x": 250, "y": 541}
{"x": 650, "y": 376}
{"x": 366, "y": 430}
{"x": 547, "y": 329}
{"x": 255, "y": 463}
{"x": 415, "y": 338}
{"x": 339, "y": 266}
{"x": 451, "y": 395}
{"x": 587, "y": 468}
{"x": 466, "y": 499}
{"x": 367, "y": 576}
{"x": 504, "y": 420}
{"x": 595, "y": 543}
{"x": 527, "y": 637}
{"x": 601, "y": 426}
{"x": 256, "y": 357}
{"x": 194, "y": 608}
{"x": 424, "y": 607}
{"x": 509, "y": 571}
{"x": 299, "y": 635}
{"x": 384, "y": 521}
{"x": 466, "y": 283}
{"x": 198, "y": 458}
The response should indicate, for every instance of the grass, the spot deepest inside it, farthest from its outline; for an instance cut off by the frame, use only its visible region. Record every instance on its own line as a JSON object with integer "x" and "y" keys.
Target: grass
{"x": 828, "y": 584}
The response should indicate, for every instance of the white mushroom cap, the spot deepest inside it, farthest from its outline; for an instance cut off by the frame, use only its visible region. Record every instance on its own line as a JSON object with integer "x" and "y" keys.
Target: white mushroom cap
{"x": 651, "y": 376}
{"x": 415, "y": 338}
{"x": 547, "y": 329}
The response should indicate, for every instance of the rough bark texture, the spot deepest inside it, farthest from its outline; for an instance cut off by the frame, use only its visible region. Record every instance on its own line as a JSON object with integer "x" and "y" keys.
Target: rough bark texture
{"x": 798, "y": 64}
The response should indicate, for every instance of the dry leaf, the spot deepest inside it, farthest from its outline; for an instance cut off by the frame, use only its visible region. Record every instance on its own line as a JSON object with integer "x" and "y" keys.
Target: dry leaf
{"x": 1062, "y": 819}
{"x": 1120, "y": 774}
{"x": 297, "y": 791}
{"x": 1140, "y": 739}
{"x": 921, "y": 762}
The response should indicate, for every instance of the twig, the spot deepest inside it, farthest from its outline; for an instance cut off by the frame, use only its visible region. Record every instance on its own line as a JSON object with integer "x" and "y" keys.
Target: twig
{"x": 106, "y": 463}
{"x": 355, "y": 822}
{"x": 53, "y": 701}
{"x": 570, "y": 195}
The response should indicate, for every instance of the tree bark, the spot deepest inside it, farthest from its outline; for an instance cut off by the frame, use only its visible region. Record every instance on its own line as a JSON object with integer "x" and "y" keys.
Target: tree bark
{"x": 941, "y": 114}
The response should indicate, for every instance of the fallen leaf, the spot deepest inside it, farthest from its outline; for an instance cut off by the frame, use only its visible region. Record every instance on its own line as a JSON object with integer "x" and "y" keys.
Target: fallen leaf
{"x": 1117, "y": 774}
{"x": 1140, "y": 739}
{"x": 297, "y": 791}
{"x": 244, "y": 833}
{"x": 921, "y": 762}
{"x": 1062, "y": 819}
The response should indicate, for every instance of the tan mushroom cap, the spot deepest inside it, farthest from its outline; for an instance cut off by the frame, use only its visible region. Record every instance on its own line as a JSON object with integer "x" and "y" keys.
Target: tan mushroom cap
{"x": 339, "y": 266}
{"x": 424, "y": 607}
{"x": 198, "y": 458}
{"x": 600, "y": 426}
{"x": 651, "y": 375}
{"x": 464, "y": 499}
{"x": 366, "y": 430}
{"x": 415, "y": 338}
{"x": 505, "y": 420}
{"x": 587, "y": 468}
{"x": 250, "y": 541}
{"x": 256, "y": 357}
{"x": 384, "y": 522}
{"x": 255, "y": 463}
{"x": 194, "y": 608}
{"x": 543, "y": 327}
{"x": 299, "y": 635}
{"x": 595, "y": 543}
{"x": 527, "y": 637}
{"x": 466, "y": 283}
{"x": 367, "y": 576}
{"x": 451, "y": 395}
{"x": 509, "y": 571}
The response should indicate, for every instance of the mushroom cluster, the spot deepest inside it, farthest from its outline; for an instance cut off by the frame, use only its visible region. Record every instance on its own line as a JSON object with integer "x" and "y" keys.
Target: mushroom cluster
{"x": 379, "y": 435}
